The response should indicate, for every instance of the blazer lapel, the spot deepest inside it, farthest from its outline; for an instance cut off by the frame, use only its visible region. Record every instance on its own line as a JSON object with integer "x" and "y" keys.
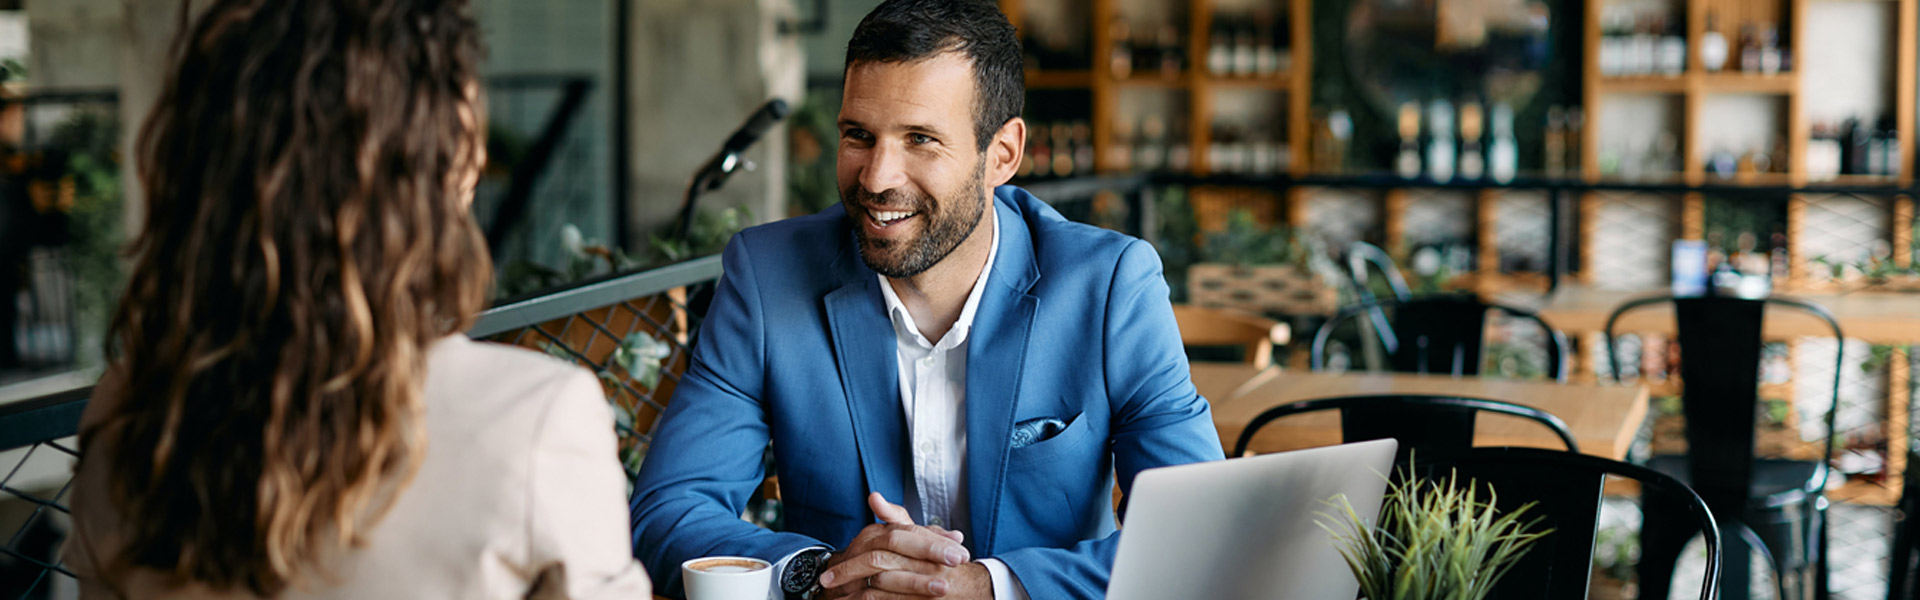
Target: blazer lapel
{"x": 864, "y": 349}
{"x": 996, "y": 358}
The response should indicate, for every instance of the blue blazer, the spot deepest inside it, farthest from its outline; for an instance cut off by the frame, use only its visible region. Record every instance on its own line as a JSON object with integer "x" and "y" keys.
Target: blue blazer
{"x": 1074, "y": 324}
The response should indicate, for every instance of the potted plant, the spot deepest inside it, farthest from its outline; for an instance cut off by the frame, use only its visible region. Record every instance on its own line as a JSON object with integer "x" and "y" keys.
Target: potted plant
{"x": 1274, "y": 270}
{"x": 1434, "y": 540}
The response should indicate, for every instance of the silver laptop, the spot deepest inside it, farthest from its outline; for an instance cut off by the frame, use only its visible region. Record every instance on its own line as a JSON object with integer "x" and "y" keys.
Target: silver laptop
{"x": 1244, "y": 528}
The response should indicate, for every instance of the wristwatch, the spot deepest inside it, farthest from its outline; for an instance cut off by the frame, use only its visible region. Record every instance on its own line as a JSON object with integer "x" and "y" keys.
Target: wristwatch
{"x": 802, "y": 578}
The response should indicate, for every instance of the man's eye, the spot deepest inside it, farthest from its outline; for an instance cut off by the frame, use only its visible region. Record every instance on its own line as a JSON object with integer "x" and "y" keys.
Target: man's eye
{"x": 920, "y": 139}
{"x": 856, "y": 135}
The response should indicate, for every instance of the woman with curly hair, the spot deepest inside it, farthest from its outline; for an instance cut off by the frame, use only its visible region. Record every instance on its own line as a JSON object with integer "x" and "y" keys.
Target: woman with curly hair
{"x": 290, "y": 409}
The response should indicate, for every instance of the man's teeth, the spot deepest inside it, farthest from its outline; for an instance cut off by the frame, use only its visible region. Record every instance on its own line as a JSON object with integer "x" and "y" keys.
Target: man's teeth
{"x": 891, "y": 216}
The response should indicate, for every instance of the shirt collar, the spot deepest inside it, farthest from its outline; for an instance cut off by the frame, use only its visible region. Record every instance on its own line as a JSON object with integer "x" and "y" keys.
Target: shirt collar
{"x": 903, "y": 324}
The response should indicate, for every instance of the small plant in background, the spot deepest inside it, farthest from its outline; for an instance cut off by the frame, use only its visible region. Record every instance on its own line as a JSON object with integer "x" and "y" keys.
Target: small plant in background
{"x": 585, "y": 258}
{"x": 1246, "y": 242}
{"x": 709, "y": 234}
{"x": 1435, "y": 540}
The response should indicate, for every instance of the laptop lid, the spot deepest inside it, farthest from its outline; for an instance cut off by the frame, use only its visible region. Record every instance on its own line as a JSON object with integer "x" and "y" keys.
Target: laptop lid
{"x": 1244, "y": 528}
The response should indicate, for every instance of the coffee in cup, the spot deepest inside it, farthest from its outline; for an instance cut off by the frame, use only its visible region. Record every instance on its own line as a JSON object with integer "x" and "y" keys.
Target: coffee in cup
{"x": 727, "y": 578}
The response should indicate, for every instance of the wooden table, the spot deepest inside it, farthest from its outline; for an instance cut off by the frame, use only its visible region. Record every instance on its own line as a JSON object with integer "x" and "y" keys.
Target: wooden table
{"x": 1877, "y": 317}
{"x": 1603, "y": 419}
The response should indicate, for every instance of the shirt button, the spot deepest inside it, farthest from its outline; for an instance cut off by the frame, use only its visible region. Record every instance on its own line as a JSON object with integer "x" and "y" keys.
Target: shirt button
{"x": 927, "y": 362}
{"x": 936, "y": 522}
{"x": 926, "y": 447}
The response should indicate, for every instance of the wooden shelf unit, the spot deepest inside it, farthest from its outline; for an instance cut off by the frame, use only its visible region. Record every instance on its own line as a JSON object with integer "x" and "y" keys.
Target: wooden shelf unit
{"x": 1194, "y": 81}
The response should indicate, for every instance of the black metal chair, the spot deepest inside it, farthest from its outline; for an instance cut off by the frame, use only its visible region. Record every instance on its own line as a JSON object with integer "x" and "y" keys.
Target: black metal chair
{"x": 1781, "y": 501}
{"x": 1567, "y": 487}
{"x": 1361, "y": 254}
{"x": 1436, "y": 334}
{"x": 1903, "y": 576}
{"x": 1423, "y": 422}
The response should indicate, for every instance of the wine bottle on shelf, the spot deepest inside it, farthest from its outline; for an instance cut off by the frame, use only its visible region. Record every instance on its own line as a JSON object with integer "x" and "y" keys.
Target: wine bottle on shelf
{"x": 1502, "y": 156}
{"x": 1179, "y": 149}
{"x": 1119, "y": 151}
{"x": 1576, "y": 130}
{"x": 1472, "y": 162}
{"x": 1082, "y": 148}
{"x": 1770, "y": 53}
{"x": 1646, "y": 45}
{"x": 1120, "y": 61}
{"x": 1610, "y": 41}
{"x": 1673, "y": 48}
{"x": 1407, "y": 164}
{"x": 1713, "y": 46}
{"x": 1440, "y": 143}
{"x": 1062, "y": 150}
{"x": 1555, "y": 144}
{"x": 1150, "y": 147}
{"x": 1172, "y": 56}
{"x": 1220, "y": 50}
{"x": 1750, "y": 49}
{"x": 1245, "y": 51}
{"x": 1266, "y": 61}
{"x": 1891, "y": 138}
{"x": 1283, "y": 44}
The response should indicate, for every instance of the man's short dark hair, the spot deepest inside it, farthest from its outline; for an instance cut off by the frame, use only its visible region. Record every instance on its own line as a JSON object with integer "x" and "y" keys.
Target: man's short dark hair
{"x": 912, "y": 30}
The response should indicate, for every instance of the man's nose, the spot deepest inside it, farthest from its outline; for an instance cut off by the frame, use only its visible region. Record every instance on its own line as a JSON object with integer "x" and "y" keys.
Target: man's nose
{"x": 886, "y": 170}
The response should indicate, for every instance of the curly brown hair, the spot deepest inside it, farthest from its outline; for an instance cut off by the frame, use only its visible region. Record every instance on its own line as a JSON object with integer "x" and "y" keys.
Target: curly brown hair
{"x": 306, "y": 239}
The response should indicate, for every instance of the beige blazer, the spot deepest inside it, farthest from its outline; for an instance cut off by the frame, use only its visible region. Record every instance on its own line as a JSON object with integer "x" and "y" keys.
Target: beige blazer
{"x": 520, "y": 482}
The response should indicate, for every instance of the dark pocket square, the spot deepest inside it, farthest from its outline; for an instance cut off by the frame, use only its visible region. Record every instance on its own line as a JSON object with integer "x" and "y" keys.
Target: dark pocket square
{"x": 1033, "y": 431}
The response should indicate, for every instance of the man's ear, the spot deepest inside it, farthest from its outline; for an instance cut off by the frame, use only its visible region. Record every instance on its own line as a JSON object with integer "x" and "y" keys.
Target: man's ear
{"x": 1004, "y": 152}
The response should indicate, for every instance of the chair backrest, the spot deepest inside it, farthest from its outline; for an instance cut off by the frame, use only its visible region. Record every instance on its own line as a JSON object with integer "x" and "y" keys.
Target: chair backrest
{"x": 1437, "y": 334}
{"x": 1567, "y": 487}
{"x": 1903, "y": 578}
{"x": 1720, "y": 351}
{"x": 1205, "y": 326}
{"x": 1361, "y": 254}
{"x": 1424, "y": 422}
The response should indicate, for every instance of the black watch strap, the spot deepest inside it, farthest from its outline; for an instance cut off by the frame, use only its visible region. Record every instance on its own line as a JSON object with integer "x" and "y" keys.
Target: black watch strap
{"x": 801, "y": 581}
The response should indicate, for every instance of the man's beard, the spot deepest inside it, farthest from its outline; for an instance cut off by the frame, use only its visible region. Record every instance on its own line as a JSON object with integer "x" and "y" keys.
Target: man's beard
{"x": 940, "y": 232}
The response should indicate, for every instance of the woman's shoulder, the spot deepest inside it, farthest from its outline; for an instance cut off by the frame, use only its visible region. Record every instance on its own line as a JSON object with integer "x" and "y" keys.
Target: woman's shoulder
{"x": 488, "y": 380}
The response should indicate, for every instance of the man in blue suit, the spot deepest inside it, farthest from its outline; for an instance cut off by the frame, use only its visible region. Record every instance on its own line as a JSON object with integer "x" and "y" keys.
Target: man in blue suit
{"x": 950, "y": 373}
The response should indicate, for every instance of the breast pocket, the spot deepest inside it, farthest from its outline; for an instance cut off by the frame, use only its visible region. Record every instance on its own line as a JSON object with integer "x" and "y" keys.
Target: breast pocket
{"x": 1053, "y": 448}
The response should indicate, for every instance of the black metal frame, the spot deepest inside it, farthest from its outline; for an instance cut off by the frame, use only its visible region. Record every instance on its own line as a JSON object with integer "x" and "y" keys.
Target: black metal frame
{"x": 1568, "y": 488}
{"x": 1557, "y": 349}
{"x": 1811, "y": 493}
{"x": 1419, "y": 421}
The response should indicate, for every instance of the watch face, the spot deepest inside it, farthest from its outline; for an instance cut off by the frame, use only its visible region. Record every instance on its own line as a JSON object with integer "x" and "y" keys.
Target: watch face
{"x": 803, "y": 571}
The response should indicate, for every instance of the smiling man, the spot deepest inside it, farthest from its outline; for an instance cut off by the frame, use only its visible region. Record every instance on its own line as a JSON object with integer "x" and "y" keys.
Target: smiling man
{"x": 950, "y": 373}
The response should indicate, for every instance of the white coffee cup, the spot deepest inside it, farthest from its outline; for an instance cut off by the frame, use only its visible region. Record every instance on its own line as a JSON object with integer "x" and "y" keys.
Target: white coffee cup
{"x": 727, "y": 578}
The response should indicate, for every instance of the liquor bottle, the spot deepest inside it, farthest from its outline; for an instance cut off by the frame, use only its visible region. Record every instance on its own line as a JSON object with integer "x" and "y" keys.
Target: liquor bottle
{"x": 1610, "y": 41}
{"x": 1891, "y": 138}
{"x": 1120, "y": 62}
{"x": 1407, "y": 164}
{"x": 1266, "y": 60}
{"x": 1062, "y": 150}
{"x": 1220, "y": 50}
{"x": 1472, "y": 163}
{"x": 1440, "y": 142}
{"x": 1673, "y": 49}
{"x": 1770, "y": 54}
{"x": 1283, "y": 43}
{"x": 1858, "y": 138}
{"x": 1172, "y": 56}
{"x": 1245, "y": 52}
{"x": 1749, "y": 49}
{"x": 1556, "y": 142}
{"x": 1646, "y": 45}
{"x": 1576, "y": 130}
{"x": 1119, "y": 152}
{"x": 1082, "y": 134}
{"x": 1150, "y": 147}
{"x": 1179, "y": 149}
{"x": 1713, "y": 46}
{"x": 1504, "y": 156}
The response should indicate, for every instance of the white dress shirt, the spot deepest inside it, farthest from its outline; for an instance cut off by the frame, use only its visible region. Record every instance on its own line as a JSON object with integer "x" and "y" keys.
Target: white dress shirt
{"x": 933, "y": 392}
